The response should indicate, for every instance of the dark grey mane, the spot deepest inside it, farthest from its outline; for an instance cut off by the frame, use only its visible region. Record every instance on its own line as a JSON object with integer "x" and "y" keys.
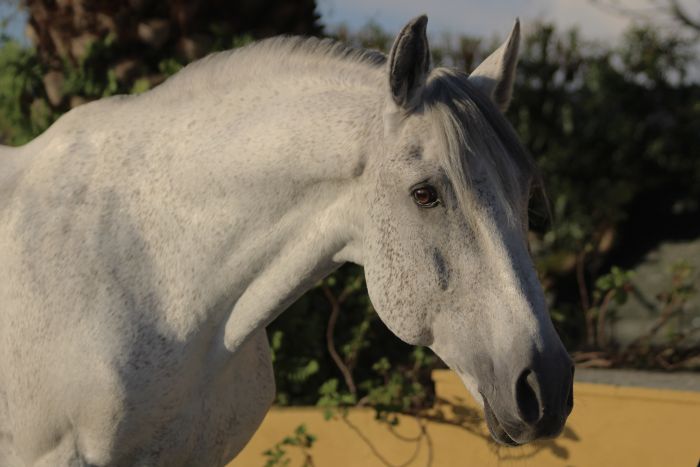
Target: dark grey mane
{"x": 475, "y": 129}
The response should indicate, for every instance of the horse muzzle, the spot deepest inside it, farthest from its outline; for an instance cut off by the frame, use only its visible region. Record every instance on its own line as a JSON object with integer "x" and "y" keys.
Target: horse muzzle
{"x": 537, "y": 408}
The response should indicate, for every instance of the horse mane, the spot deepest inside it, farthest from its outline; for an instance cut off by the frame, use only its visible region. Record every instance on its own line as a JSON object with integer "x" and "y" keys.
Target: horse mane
{"x": 473, "y": 128}
{"x": 282, "y": 57}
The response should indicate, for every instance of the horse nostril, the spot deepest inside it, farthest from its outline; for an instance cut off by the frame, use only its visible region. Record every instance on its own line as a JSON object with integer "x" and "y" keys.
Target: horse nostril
{"x": 526, "y": 397}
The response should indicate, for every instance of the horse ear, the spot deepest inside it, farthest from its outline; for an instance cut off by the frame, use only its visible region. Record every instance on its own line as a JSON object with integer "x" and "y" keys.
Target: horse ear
{"x": 496, "y": 74}
{"x": 409, "y": 63}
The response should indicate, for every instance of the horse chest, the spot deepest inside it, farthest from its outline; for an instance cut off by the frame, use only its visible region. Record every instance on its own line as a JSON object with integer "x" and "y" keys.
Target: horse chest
{"x": 201, "y": 417}
{"x": 168, "y": 407}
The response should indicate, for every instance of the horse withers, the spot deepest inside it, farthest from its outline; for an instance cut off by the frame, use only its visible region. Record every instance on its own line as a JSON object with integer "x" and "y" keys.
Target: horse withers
{"x": 146, "y": 242}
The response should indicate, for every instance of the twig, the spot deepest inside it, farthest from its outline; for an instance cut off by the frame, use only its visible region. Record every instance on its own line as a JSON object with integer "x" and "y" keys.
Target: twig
{"x": 669, "y": 310}
{"x": 682, "y": 16}
{"x": 585, "y": 356}
{"x": 583, "y": 295}
{"x": 636, "y": 13}
{"x": 602, "y": 312}
{"x": 382, "y": 459}
{"x": 596, "y": 363}
{"x": 308, "y": 460}
{"x": 330, "y": 343}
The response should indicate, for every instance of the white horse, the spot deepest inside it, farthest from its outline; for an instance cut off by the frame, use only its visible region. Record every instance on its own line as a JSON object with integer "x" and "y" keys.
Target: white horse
{"x": 146, "y": 242}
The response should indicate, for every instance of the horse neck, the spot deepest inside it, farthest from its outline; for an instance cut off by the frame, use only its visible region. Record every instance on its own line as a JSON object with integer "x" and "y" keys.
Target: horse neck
{"x": 262, "y": 193}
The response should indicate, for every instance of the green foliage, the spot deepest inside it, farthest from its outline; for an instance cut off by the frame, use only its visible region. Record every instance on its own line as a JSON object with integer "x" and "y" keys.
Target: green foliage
{"x": 616, "y": 283}
{"x": 300, "y": 439}
{"x": 332, "y": 400}
{"x": 169, "y": 66}
{"x": 388, "y": 390}
{"x": 21, "y": 115}
{"x": 673, "y": 301}
{"x": 399, "y": 390}
{"x": 240, "y": 41}
{"x": 388, "y": 374}
{"x": 683, "y": 286}
{"x": 613, "y": 131}
{"x": 671, "y": 307}
{"x": 25, "y": 111}
{"x": 371, "y": 36}
{"x": 562, "y": 93}
{"x": 88, "y": 78}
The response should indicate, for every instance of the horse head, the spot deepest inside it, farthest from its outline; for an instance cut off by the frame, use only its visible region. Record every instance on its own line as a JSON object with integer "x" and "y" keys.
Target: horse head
{"x": 445, "y": 245}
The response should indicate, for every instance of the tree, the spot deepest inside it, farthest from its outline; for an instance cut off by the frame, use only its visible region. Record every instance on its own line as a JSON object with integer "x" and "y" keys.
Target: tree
{"x": 88, "y": 50}
{"x": 139, "y": 42}
{"x": 672, "y": 9}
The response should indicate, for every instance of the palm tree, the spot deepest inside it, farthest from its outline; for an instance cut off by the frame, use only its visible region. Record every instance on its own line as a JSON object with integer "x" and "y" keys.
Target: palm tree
{"x": 91, "y": 48}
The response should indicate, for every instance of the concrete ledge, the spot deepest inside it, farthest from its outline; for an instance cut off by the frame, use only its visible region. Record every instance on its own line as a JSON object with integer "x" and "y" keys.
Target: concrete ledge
{"x": 682, "y": 381}
{"x": 610, "y": 426}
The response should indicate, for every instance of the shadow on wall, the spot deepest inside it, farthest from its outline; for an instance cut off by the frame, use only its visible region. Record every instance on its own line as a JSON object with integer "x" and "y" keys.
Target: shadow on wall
{"x": 453, "y": 432}
{"x": 469, "y": 419}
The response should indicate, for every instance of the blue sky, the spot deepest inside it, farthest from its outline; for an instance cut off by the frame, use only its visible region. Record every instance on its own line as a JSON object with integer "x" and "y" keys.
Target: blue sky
{"x": 487, "y": 18}
{"x": 16, "y": 20}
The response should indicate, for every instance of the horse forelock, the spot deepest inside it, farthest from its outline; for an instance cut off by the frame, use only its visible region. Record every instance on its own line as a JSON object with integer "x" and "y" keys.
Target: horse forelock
{"x": 474, "y": 130}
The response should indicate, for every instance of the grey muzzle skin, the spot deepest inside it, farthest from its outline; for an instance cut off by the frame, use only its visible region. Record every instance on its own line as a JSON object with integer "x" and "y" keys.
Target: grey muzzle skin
{"x": 540, "y": 399}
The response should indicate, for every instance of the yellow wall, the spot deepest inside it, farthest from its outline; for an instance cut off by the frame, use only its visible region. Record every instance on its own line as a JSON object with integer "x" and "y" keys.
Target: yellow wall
{"x": 610, "y": 426}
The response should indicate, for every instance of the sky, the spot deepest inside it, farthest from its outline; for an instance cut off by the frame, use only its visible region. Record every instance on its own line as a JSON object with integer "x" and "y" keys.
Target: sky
{"x": 15, "y": 20}
{"x": 485, "y": 18}
{"x": 488, "y": 18}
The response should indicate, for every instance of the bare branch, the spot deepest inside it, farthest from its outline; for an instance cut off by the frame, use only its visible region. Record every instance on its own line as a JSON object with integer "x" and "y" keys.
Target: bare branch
{"x": 612, "y": 6}
{"x": 583, "y": 295}
{"x": 602, "y": 312}
{"x": 681, "y": 15}
{"x": 330, "y": 342}
{"x": 670, "y": 8}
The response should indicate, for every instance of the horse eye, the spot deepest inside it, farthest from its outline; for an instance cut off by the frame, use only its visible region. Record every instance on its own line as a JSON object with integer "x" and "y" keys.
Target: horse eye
{"x": 425, "y": 196}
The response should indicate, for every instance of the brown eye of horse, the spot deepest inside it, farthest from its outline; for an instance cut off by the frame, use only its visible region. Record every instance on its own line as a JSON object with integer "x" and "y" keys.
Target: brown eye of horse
{"x": 425, "y": 196}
